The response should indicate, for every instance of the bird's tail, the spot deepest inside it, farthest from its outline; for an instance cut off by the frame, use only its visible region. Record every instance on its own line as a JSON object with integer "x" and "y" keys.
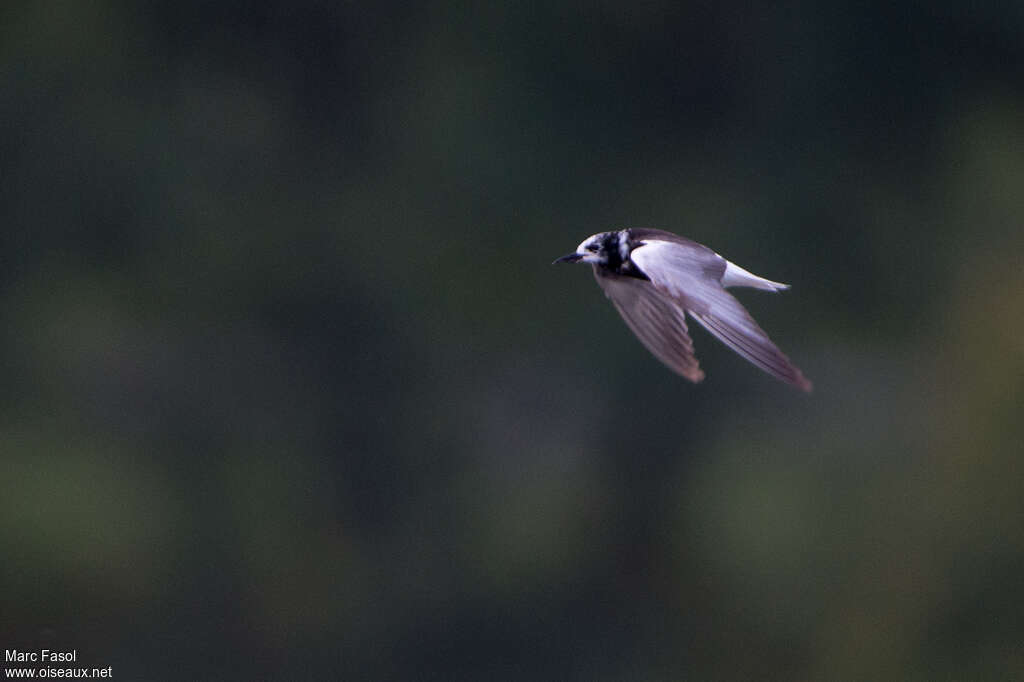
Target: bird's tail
{"x": 735, "y": 276}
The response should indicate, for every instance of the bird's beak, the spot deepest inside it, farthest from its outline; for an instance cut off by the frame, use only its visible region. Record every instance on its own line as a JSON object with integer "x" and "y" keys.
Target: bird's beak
{"x": 569, "y": 258}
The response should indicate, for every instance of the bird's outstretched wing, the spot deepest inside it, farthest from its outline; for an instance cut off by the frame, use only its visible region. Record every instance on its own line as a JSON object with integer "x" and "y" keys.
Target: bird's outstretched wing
{"x": 693, "y": 280}
{"x": 656, "y": 319}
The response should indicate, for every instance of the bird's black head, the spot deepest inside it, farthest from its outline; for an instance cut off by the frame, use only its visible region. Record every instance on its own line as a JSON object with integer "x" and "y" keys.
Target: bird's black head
{"x": 608, "y": 249}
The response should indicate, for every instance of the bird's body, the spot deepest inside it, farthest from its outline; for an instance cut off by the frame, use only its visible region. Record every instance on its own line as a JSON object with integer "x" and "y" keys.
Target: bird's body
{"x": 655, "y": 278}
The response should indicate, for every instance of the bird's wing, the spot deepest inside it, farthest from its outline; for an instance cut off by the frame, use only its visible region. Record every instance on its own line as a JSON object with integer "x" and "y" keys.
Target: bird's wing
{"x": 691, "y": 278}
{"x": 657, "y": 320}
{"x": 643, "y": 234}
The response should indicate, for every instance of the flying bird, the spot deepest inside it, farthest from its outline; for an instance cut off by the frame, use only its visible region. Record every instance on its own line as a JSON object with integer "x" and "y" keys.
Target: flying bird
{"x": 655, "y": 278}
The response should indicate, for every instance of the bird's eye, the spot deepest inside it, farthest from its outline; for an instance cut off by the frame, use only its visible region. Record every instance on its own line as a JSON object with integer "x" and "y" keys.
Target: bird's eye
{"x": 592, "y": 247}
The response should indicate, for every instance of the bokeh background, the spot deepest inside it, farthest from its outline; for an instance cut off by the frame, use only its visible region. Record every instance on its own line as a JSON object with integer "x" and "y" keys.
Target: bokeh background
{"x": 290, "y": 391}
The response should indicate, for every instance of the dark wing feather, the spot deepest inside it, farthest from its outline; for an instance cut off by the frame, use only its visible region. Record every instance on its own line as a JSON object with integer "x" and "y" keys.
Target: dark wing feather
{"x": 655, "y": 319}
{"x": 679, "y": 272}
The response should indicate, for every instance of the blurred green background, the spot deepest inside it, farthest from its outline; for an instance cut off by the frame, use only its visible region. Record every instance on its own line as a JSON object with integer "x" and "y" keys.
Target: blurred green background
{"x": 290, "y": 390}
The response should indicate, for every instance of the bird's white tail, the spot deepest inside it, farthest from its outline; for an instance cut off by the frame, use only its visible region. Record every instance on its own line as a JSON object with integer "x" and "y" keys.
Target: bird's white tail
{"x": 735, "y": 276}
